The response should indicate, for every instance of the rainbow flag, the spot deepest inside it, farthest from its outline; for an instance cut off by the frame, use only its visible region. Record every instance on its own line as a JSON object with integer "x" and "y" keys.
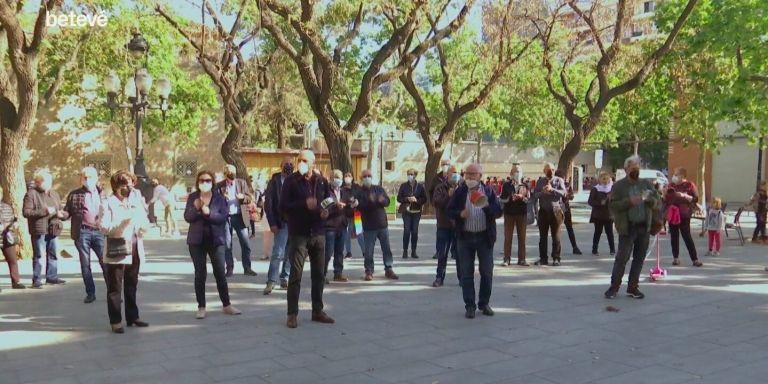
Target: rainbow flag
{"x": 358, "y": 223}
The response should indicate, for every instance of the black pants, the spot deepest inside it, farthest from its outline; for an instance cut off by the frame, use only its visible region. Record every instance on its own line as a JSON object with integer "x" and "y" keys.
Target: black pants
{"x": 122, "y": 277}
{"x": 411, "y": 230}
{"x": 569, "y": 228}
{"x": 298, "y": 248}
{"x": 634, "y": 244}
{"x": 682, "y": 229}
{"x": 216, "y": 253}
{"x": 759, "y": 228}
{"x": 601, "y": 225}
{"x": 548, "y": 223}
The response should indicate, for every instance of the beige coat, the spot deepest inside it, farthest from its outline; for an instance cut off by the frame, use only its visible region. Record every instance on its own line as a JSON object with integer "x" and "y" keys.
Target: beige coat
{"x": 121, "y": 219}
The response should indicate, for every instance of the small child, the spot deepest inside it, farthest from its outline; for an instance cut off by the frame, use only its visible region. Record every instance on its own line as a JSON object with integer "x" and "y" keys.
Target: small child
{"x": 715, "y": 224}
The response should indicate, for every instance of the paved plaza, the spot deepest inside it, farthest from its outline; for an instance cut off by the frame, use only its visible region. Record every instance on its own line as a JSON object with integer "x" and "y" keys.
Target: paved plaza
{"x": 699, "y": 325}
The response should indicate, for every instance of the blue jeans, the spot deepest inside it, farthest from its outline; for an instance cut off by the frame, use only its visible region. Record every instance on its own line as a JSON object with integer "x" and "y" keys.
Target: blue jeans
{"x": 90, "y": 239}
{"x": 235, "y": 223}
{"x": 446, "y": 240}
{"x": 471, "y": 244}
{"x": 275, "y": 273}
{"x": 334, "y": 248}
{"x": 50, "y": 245}
{"x": 370, "y": 242}
{"x": 348, "y": 238}
{"x": 411, "y": 230}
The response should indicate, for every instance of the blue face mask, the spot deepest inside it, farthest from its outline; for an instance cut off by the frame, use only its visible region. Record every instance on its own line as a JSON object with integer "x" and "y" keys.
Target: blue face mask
{"x": 367, "y": 181}
{"x": 337, "y": 183}
{"x": 455, "y": 178}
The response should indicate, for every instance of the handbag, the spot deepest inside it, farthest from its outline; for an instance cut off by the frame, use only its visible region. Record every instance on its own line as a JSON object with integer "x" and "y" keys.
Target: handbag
{"x": 118, "y": 248}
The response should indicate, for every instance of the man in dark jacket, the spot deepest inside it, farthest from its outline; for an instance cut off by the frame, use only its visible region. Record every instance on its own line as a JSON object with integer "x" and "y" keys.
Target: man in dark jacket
{"x": 335, "y": 228}
{"x": 83, "y": 207}
{"x": 549, "y": 194}
{"x": 238, "y": 195}
{"x": 411, "y": 196}
{"x": 446, "y": 233}
{"x": 279, "y": 228}
{"x": 373, "y": 201}
{"x": 515, "y": 196}
{"x": 348, "y": 192}
{"x": 567, "y": 217}
{"x": 300, "y": 202}
{"x": 42, "y": 208}
{"x": 439, "y": 179}
{"x": 632, "y": 203}
{"x": 474, "y": 208}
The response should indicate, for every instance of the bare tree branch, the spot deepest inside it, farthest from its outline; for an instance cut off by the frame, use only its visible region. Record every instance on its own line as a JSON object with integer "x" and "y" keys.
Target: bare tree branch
{"x": 50, "y": 93}
{"x": 351, "y": 34}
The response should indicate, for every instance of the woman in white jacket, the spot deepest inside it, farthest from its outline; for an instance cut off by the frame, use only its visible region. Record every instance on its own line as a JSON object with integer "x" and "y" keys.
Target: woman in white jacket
{"x": 124, "y": 222}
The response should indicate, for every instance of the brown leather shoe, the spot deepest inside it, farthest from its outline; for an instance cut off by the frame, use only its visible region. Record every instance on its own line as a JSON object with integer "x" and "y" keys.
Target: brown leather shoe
{"x": 368, "y": 277}
{"x": 322, "y": 317}
{"x": 292, "y": 322}
{"x": 390, "y": 274}
{"x": 340, "y": 278}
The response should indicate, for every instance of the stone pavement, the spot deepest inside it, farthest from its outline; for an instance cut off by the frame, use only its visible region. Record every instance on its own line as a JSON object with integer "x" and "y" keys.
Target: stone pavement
{"x": 699, "y": 325}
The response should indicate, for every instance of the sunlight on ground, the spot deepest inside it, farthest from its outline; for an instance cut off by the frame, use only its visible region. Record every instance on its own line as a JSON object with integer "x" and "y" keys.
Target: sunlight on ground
{"x": 25, "y": 339}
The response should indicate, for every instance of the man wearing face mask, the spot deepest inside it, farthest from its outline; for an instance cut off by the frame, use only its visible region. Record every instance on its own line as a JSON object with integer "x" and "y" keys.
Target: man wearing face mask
{"x": 514, "y": 196}
{"x": 632, "y": 203}
{"x": 549, "y": 193}
{"x": 238, "y": 195}
{"x": 348, "y": 192}
{"x": 42, "y": 208}
{"x": 446, "y": 233}
{"x": 474, "y": 208}
{"x": 373, "y": 200}
{"x": 83, "y": 207}
{"x": 411, "y": 196}
{"x": 439, "y": 179}
{"x": 278, "y": 226}
{"x": 301, "y": 202}
{"x": 335, "y": 228}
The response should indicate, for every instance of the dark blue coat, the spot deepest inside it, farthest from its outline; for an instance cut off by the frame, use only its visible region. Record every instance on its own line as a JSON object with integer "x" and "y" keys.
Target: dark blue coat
{"x": 492, "y": 211}
{"x": 215, "y": 221}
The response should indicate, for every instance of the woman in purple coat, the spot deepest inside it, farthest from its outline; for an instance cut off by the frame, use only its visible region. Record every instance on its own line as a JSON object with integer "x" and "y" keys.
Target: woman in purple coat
{"x": 207, "y": 213}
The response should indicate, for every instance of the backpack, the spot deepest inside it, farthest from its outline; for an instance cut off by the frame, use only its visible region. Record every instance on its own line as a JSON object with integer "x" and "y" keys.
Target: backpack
{"x": 673, "y": 215}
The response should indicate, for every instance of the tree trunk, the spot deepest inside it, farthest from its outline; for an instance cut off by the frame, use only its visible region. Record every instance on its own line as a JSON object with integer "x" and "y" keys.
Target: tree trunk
{"x": 339, "y": 145}
{"x": 282, "y": 132}
{"x": 569, "y": 153}
{"x": 230, "y": 150}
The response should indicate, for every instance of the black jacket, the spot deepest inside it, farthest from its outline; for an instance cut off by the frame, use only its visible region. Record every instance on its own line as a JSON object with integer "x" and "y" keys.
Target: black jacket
{"x": 515, "y": 207}
{"x": 272, "y": 201}
{"x": 599, "y": 202}
{"x": 337, "y": 219}
{"x": 440, "y": 200}
{"x": 407, "y": 190}
{"x": 301, "y": 220}
{"x": 492, "y": 211}
{"x": 372, "y": 210}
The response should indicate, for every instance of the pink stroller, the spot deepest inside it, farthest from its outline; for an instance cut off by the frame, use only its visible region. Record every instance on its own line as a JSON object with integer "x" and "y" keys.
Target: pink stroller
{"x": 657, "y": 272}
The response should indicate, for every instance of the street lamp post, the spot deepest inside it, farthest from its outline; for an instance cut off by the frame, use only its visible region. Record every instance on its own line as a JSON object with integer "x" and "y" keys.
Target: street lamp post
{"x": 137, "y": 93}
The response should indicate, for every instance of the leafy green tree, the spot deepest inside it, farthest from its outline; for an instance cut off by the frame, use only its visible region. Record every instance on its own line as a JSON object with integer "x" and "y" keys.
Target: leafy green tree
{"x": 345, "y": 52}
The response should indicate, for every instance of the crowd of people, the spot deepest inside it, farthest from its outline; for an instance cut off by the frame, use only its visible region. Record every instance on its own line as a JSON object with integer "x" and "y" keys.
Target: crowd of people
{"x": 313, "y": 217}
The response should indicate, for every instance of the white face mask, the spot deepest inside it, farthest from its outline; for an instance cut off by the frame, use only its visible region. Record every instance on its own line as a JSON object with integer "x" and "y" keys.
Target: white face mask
{"x": 472, "y": 184}
{"x": 90, "y": 184}
{"x": 337, "y": 183}
{"x": 411, "y": 178}
{"x": 367, "y": 181}
{"x": 347, "y": 180}
{"x": 675, "y": 179}
{"x": 303, "y": 168}
{"x": 205, "y": 187}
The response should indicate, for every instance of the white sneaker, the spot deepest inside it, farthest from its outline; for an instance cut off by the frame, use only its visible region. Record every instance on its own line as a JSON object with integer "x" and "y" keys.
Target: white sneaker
{"x": 716, "y": 254}
{"x": 230, "y": 310}
{"x": 709, "y": 253}
{"x": 200, "y": 314}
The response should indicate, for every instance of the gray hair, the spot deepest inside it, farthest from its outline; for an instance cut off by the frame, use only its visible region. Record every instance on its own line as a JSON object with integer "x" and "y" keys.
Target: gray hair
{"x": 634, "y": 159}
{"x": 42, "y": 174}
{"x": 89, "y": 171}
